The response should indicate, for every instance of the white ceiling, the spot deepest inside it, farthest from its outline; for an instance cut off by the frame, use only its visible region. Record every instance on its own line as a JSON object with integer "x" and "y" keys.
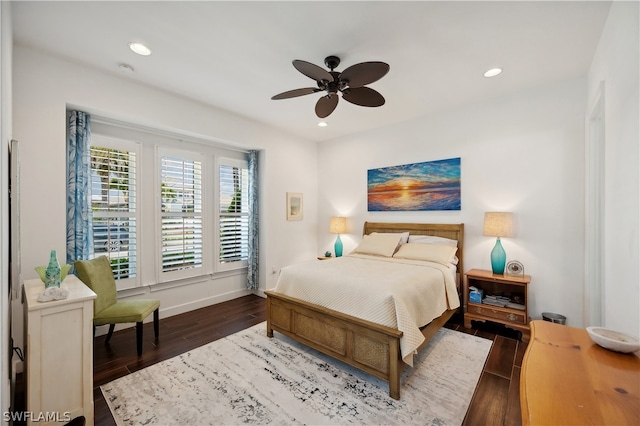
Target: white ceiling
{"x": 236, "y": 55}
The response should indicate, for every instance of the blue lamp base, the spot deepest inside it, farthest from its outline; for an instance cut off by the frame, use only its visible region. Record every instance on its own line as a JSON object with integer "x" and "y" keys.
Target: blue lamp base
{"x": 498, "y": 258}
{"x": 338, "y": 246}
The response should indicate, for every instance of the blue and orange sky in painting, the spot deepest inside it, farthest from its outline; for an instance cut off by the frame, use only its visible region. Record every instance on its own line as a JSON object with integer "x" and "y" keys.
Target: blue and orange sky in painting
{"x": 433, "y": 185}
{"x": 432, "y": 174}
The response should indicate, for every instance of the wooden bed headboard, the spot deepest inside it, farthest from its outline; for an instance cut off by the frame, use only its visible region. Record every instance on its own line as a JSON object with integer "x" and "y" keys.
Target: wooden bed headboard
{"x": 453, "y": 231}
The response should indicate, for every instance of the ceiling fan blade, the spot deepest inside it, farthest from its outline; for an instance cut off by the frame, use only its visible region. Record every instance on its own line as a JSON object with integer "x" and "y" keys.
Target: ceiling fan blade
{"x": 363, "y": 96}
{"x": 312, "y": 71}
{"x": 296, "y": 92}
{"x": 364, "y": 73}
{"x": 326, "y": 105}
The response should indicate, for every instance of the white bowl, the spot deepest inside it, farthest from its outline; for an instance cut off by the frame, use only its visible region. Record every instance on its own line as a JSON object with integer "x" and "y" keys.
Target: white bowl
{"x": 613, "y": 340}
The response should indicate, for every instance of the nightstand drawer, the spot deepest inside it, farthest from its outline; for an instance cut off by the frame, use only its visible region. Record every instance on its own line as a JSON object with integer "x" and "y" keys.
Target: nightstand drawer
{"x": 492, "y": 312}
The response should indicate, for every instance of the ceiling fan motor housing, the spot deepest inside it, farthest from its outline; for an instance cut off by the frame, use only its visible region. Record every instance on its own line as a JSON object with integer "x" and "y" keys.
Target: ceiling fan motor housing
{"x": 332, "y": 62}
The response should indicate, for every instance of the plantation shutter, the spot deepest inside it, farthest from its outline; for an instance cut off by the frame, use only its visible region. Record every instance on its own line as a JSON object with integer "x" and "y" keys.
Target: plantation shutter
{"x": 234, "y": 213}
{"x": 114, "y": 205}
{"x": 181, "y": 214}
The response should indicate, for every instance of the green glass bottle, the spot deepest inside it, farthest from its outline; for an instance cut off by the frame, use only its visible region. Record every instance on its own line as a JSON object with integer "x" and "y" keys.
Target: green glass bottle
{"x": 52, "y": 275}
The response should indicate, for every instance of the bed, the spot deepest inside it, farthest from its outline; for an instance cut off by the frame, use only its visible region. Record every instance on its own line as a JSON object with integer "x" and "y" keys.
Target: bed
{"x": 365, "y": 344}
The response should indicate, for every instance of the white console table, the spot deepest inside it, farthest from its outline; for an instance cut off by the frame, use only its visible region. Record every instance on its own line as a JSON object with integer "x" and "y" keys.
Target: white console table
{"x": 59, "y": 353}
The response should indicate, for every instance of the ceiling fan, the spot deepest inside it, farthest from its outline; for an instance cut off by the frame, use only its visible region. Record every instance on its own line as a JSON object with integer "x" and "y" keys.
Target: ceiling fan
{"x": 349, "y": 82}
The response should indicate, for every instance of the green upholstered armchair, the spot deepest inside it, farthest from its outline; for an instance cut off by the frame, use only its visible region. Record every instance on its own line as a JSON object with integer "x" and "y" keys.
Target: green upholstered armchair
{"x": 107, "y": 309}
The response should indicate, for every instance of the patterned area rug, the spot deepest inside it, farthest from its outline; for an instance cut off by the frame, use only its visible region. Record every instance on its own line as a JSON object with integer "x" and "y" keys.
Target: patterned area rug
{"x": 250, "y": 378}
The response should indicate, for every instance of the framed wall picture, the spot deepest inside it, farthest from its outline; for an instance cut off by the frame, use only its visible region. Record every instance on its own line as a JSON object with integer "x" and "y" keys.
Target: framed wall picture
{"x": 294, "y": 206}
{"x": 431, "y": 185}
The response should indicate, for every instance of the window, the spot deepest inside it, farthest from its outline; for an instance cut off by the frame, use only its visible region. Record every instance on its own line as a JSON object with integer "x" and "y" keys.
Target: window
{"x": 181, "y": 219}
{"x": 114, "y": 206}
{"x": 233, "y": 220}
{"x": 167, "y": 209}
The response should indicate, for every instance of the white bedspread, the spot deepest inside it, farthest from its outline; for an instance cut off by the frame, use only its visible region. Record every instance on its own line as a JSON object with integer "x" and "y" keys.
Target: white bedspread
{"x": 398, "y": 293}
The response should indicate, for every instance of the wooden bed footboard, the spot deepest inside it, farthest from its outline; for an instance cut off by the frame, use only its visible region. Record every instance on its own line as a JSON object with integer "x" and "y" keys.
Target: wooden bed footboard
{"x": 370, "y": 347}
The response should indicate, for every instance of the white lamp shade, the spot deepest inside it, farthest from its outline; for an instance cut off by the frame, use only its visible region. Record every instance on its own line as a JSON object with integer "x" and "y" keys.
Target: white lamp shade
{"x": 338, "y": 225}
{"x": 498, "y": 224}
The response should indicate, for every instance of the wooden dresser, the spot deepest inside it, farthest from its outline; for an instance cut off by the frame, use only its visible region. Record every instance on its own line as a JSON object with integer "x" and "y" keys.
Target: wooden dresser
{"x": 59, "y": 353}
{"x": 566, "y": 379}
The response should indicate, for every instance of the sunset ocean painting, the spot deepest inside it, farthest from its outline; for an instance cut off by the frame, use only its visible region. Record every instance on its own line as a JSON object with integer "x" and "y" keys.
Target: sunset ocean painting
{"x": 432, "y": 185}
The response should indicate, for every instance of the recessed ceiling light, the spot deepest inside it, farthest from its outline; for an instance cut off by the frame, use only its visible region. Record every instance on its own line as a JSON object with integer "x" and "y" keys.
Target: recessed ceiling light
{"x": 322, "y": 124}
{"x": 140, "y": 49}
{"x": 493, "y": 72}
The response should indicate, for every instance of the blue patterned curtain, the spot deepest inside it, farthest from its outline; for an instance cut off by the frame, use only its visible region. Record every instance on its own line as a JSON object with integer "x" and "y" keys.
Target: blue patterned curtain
{"x": 79, "y": 235}
{"x": 253, "y": 270}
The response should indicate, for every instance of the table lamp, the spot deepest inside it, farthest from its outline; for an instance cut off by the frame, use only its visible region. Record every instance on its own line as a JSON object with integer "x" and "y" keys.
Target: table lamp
{"x": 498, "y": 224}
{"x": 338, "y": 225}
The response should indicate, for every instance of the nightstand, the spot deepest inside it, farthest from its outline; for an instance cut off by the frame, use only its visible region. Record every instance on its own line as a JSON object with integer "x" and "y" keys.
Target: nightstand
{"x": 513, "y": 312}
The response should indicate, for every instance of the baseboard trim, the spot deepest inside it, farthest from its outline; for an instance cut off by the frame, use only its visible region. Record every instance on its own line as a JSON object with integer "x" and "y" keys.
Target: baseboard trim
{"x": 201, "y": 303}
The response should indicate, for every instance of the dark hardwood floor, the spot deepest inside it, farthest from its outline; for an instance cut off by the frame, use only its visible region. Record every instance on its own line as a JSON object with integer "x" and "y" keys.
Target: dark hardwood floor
{"x": 495, "y": 401}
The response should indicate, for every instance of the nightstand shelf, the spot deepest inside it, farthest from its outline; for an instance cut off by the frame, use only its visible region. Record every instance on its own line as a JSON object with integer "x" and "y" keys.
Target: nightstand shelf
{"x": 513, "y": 287}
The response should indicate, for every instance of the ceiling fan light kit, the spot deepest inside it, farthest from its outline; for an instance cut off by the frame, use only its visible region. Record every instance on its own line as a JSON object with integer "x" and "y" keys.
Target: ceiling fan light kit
{"x": 350, "y": 83}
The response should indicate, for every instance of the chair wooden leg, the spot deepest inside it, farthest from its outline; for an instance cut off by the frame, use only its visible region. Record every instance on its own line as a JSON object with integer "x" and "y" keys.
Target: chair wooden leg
{"x": 156, "y": 322}
{"x": 139, "y": 337}
{"x": 110, "y": 333}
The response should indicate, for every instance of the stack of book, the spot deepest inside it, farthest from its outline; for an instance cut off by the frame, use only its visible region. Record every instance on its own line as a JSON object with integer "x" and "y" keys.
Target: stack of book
{"x": 514, "y": 305}
{"x": 502, "y": 301}
{"x": 496, "y": 300}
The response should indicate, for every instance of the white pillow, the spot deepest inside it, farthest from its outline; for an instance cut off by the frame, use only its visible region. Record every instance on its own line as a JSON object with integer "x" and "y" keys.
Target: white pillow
{"x": 432, "y": 239}
{"x": 404, "y": 236}
{"x": 378, "y": 244}
{"x": 443, "y": 254}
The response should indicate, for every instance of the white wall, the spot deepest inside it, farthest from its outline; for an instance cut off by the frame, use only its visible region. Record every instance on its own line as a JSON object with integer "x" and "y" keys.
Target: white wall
{"x": 521, "y": 153}
{"x": 6, "y": 42}
{"x": 44, "y": 86}
{"x": 616, "y": 63}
